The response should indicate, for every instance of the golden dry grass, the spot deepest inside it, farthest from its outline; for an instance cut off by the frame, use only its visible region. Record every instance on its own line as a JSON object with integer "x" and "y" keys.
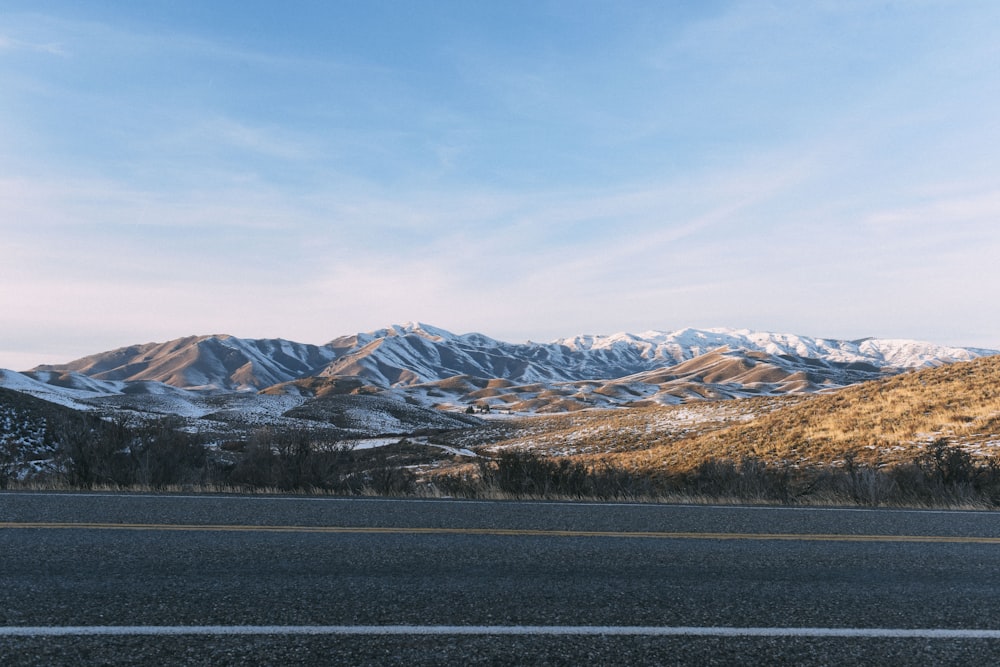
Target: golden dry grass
{"x": 615, "y": 430}
{"x": 884, "y": 421}
{"x": 880, "y": 422}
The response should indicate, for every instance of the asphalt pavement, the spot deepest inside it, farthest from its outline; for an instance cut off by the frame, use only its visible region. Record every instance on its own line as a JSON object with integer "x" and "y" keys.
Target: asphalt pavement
{"x": 169, "y": 579}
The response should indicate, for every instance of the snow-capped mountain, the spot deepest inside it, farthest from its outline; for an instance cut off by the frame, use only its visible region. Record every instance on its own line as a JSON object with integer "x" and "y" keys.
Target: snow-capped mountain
{"x": 668, "y": 348}
{"x": 415, "y": 353}
{"x": 200, "y": 376}
{"x": 415, "y": 378}
{"x": 219, "y": 362}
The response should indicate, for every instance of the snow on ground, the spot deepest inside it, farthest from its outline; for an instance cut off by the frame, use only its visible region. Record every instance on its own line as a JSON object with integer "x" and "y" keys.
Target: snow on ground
{"x": 594, "y": 431}
{"x": 456, "y": 452}
{"x": 370, "y": 443}
{"x": 21, "y": 431}
{"x": 249, "y": 408}
{"x": 24, "y": 451}
{"x": 70, "y": 398}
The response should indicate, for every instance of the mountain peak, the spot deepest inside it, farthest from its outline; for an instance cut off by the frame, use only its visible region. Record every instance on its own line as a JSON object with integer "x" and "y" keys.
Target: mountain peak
{"x": 426, "y": 330}
{"x": 416, "y": 352}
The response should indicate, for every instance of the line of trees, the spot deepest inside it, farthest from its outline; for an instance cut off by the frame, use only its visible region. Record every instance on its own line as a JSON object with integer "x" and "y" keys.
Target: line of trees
{"x": 162, "y": 455}
{"x": 941, "y": 475}
{"x": 155, "y": 455}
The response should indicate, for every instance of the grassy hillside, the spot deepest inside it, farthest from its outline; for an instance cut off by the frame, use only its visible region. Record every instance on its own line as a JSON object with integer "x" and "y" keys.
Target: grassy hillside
{"x": 929, "y": 438}
{"x": 885, "y": 421}
{"x": 617, "y": 430}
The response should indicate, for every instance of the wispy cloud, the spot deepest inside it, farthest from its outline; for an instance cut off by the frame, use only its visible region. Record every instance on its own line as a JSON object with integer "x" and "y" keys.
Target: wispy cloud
{"x": 946, "y": 213}
{"x": 10, "y": 44}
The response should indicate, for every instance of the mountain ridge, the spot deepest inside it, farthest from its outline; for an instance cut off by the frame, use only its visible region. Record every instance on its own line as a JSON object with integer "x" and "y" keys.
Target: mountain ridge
{"x": 416, "y": 353}
{"x": 229, "y": 385}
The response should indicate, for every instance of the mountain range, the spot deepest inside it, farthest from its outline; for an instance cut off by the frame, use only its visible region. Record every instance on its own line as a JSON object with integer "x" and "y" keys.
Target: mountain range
{"x": 411, "y": 354}
{"x": 429, "y": 369}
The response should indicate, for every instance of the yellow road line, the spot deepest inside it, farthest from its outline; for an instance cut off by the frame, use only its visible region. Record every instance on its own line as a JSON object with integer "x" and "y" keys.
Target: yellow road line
{"x": 495, "y": 630}
{"x": 369, "y": 530}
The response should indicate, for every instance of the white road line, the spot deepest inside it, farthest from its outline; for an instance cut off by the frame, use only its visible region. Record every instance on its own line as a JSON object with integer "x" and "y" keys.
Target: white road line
{"x": 523, "y": 630}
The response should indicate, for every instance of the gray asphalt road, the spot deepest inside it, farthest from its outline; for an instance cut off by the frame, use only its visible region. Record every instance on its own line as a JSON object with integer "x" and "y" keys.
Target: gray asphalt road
{"x": 443, "y": 564}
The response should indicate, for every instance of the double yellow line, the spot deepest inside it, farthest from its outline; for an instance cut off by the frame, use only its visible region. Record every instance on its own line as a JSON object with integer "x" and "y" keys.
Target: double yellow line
{"x": 507, "y": 532}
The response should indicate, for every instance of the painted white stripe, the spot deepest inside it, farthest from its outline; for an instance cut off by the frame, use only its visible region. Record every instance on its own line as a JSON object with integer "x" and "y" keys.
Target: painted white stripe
{"x": 575, "y": 630}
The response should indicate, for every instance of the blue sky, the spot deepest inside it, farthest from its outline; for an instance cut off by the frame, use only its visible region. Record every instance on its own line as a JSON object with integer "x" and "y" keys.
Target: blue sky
{"x": 528, "y": 170}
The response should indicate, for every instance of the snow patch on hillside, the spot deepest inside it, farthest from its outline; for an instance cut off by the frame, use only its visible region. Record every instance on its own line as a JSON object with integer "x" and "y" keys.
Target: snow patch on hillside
{"x": 68, "y": 397}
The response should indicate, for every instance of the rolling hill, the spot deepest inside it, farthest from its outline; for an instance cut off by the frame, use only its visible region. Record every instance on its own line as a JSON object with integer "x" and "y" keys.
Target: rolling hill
{"x": 879, "y": 422}
{"x": 405, "y": 356}
{"x": 803, "y": 402}
{"x": 220, "y": 383}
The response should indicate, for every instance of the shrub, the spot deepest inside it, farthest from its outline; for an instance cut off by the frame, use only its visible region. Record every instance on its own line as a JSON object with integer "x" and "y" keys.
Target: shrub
{"x": 946, "y": 465}
{"x": 524, "y": 473}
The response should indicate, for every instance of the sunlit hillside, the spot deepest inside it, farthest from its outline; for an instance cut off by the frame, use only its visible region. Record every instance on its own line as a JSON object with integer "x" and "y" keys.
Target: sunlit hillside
{"x": 884, "y": 421}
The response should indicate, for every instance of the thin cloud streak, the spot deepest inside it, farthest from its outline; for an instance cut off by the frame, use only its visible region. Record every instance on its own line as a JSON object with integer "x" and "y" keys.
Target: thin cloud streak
{"x": 7, "y": 44}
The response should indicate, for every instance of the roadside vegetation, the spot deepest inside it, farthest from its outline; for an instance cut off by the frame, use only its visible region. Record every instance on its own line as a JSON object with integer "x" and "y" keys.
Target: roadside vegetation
{"x": 159, "y": 457}
{"x": 930, "y": 438}
{"x": 941, "y": 476}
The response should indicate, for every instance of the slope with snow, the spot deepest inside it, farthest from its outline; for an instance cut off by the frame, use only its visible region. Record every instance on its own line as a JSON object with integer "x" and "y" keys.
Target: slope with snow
{"x": 220, "y": 363}
{"x": 417, "y": 353}
{"x": 436, "y": 368}
{"x": 53, "y": 388}
{"x": 33, "y": 429}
